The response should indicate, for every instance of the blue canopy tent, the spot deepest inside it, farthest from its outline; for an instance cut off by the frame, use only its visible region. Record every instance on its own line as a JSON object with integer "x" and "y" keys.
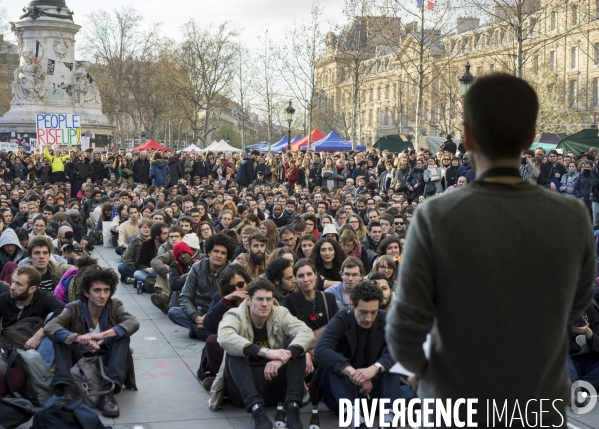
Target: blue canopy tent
{"x": 262, "y": 147}
{"x": 333, "y": 142}
{"x": 281, "y": 145}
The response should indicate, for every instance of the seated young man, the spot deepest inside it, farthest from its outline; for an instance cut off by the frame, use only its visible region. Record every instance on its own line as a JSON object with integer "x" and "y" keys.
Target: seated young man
{"x": 264, "y": 365}
{"x": 353, "y": 353}
{"x": 24, "y": 309}
{"x": 127, "y": 267}
{"x": 200, "y": 286}
{"x": 96, "y": 324}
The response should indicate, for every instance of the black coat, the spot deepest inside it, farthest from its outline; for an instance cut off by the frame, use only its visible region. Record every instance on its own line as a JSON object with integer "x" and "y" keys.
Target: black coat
{"x": 99, "y": 171}
{"x": 83, "y": 170}
{"x": 245, "y": 175}
{"x": 449, "y": 146}
{"x": 215, "y": 314}
{"x": 141, "y": 171}
{"x": 201, "y": 168}
{"x": 299, "y": 307}
{"x": 43, "y": 303}
{"x": 544, "y": 178}
{"x": 338, "y": 343}
{"x": 175, "y": 171}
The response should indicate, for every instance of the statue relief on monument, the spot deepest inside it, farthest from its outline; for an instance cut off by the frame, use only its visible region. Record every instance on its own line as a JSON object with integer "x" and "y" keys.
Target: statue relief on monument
{"x": 85, "y": 90}
{"x": 28, "y": 81}
{"x": 61, "y": 47}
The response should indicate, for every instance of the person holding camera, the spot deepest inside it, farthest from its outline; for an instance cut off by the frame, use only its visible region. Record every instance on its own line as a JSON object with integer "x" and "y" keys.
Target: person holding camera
{"x": 66, "y": 246}
{"x": 583, "y": 360}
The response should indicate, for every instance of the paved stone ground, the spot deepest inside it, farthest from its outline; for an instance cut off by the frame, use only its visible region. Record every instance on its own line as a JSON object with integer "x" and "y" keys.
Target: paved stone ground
{"x": 166, "y": 361}
{"x": 169, "y": 394}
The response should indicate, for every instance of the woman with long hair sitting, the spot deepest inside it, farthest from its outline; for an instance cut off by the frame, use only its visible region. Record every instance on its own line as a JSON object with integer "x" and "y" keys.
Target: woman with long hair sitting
{"x": 304, "y": 246}
{"x": 328, "y": 257}
{"x": 352, "y": 247}
{"x": 269, "y": 230}
{"x": 232, "y": 286}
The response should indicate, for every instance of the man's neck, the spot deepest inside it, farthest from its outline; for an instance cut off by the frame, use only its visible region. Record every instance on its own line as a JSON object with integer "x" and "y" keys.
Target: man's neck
{"x": 25, "y": 302}
{"x": 42, "y": 271}
{"x": 133, "y": 222}
{"x": 483, "y": 165}
{"x": 258, "y": 322}
{"x": 213, "y": 268}
{"x": 94, "y": 311}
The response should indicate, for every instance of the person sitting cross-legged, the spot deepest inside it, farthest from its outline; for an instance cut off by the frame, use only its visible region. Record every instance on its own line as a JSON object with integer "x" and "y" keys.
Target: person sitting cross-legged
{"x": 354, "y": 355}
{"x": 200, "y": 286}
{"x": 96, "y": 324}
{"x": 264, "y": 362}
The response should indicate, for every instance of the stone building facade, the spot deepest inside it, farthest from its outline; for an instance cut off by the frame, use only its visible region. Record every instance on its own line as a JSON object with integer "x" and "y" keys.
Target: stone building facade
{"x": 560, "y": 38}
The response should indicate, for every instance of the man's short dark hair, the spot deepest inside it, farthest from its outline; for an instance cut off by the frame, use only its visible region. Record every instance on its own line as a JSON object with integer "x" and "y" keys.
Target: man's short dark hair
{"x": 501, "y": 112}
{"x": 221, "y": 240}
{"x": 365, "y": 291}
{"x": 286, "y": 230}
{"x": 132, "y": 206}
{"x": 34, "y": 278}
{"x": 374, "y": 223}
{"x": 157, "y": 229}
{"x": 177, "y": 229}
{"x": 260, "y": 283}
{"x": 274, "y": 270}
{"x": 353, "y": 262}
{"x": 257, "y": 237}
{"x": 39, "y": 241}
{"x": 184, "y": 219}
{"x": 97, "y": 274}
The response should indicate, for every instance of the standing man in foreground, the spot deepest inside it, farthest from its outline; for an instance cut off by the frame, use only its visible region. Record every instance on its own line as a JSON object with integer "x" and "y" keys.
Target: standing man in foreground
{"x": 508, "y": 300}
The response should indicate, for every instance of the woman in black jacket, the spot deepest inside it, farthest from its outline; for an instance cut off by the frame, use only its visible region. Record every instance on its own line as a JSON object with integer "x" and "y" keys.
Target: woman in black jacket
{"x": 315, "y": 308}
{"x": 232, "y": 284}
{"x": 415, "y": 181}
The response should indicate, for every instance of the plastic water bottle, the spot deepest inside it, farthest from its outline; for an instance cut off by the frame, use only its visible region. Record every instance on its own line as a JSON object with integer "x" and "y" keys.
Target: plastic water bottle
{"x": 140, "y": 287}
{"x": 280, "y": 418}
{"x": 315, "y": 421}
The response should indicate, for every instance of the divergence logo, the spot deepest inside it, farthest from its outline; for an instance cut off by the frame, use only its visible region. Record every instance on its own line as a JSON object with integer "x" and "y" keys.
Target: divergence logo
{"x": 584, "y": 397}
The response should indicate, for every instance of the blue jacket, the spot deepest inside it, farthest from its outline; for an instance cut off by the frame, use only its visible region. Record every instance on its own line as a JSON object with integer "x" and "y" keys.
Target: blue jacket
{"x": 158, "y": 172}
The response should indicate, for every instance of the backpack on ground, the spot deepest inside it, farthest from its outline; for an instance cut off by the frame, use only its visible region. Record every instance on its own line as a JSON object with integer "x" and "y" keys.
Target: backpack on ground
{"x": 88, "y": 376}
{"x": 57, "y": 414}
{"x": 38, "y": 387}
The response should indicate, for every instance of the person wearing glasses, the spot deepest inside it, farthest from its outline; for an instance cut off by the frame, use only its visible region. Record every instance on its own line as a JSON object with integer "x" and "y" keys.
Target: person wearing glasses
{"x": 551, "y": 172}
{"x": 264, "y": 365}
{"x": 451, "y": 166}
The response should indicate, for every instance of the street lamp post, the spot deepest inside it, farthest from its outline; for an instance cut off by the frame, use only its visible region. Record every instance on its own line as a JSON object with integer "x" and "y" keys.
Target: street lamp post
{"x": 289, "y": 111}
{"x": 466, "y": 80}
{"x": 228, "y": 139}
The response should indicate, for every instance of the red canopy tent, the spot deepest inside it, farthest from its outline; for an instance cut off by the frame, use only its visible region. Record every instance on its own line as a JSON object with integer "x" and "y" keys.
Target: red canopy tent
{"x": 316, "y": 135}
{"x": 151, "y": 144}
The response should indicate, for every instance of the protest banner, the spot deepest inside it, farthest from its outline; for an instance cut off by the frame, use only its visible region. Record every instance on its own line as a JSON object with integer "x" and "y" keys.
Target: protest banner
{"x": 8, "y": 147}
{"x": 58, "y": 129}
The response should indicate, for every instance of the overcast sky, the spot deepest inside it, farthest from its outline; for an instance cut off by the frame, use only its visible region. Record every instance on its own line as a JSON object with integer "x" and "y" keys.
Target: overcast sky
{"x": 253, "y": 16}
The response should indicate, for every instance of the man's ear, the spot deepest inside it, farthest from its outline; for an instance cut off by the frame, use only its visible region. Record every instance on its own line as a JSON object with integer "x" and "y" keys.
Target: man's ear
{"x": 468, "y": 139}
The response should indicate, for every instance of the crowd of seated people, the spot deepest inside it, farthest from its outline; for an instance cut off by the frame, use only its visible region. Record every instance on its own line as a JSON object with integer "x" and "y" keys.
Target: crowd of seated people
{"x": 284, "y": 280}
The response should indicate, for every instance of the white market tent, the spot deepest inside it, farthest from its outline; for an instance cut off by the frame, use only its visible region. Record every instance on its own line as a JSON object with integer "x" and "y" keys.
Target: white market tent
{"x": 222, "y": 146}
{"x": 214, "y": 143}
{"x": 190, "y": 148}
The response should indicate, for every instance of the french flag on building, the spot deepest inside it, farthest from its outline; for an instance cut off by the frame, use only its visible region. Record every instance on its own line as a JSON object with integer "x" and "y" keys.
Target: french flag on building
{"x": 429, "y": 4}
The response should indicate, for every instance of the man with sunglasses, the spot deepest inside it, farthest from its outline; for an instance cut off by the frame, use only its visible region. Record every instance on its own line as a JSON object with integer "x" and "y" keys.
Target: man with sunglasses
{"x": 264, "y": 365}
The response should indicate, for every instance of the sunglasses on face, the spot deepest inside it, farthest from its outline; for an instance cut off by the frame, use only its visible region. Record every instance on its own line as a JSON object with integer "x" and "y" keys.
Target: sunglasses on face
{"x": 398, "y": 223}
{"x": 238, "y": 285}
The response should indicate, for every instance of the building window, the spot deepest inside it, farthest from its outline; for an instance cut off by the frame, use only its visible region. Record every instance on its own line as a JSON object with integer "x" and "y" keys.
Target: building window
{"x": 574, "y": 11}
{"x": 552, "y": 61}
{"x": 492, "y": 68}
{"x": 573, "y": 90}
{"x": 573, "y": 57}
{"x": 553, "y": 21}
{"x": 596, "y": 91}
{"x": 596, "y": 53}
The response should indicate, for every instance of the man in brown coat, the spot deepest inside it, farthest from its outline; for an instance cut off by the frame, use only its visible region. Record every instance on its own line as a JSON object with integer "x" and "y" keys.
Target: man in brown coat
{"x": 97, "y": 324}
